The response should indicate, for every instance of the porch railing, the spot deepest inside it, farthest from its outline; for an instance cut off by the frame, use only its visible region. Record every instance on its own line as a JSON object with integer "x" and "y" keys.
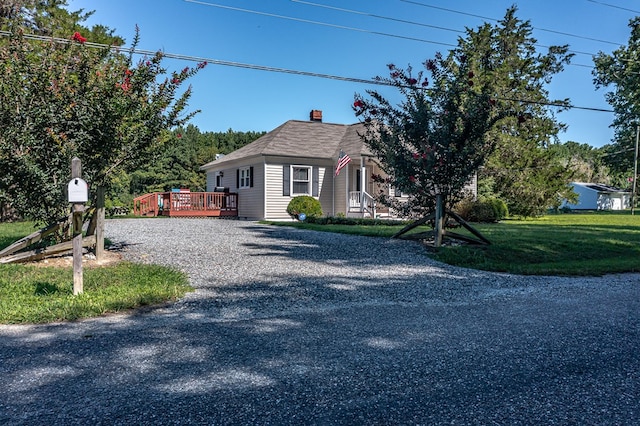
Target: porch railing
{"x": 186, "y": 204}
{"x": 362, "y": 202}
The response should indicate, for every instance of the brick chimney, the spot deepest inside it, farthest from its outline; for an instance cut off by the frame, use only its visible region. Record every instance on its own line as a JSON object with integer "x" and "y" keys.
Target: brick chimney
{"x": 316, "y": 115}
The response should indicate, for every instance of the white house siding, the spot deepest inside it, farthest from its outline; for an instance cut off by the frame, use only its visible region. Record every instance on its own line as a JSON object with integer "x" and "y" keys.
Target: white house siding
{"x": 276, "y": 203}
{"x": 250, "y": 200}
{"x": 340, "y": 195}
{"x": 228, "y": 179}
{"x": 587, "y": 198}
{"x": 472, "y": 186}
{"x": 211, "y": 181}
{"x": 325, "y": 194}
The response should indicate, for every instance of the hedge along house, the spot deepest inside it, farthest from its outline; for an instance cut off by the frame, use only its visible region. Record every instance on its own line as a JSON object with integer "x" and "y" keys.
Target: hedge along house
{"x": 299, "y": 158}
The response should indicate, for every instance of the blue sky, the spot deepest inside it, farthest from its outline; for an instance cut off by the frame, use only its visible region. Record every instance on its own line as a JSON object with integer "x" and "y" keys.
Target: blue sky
{"x": 349, "y": 44}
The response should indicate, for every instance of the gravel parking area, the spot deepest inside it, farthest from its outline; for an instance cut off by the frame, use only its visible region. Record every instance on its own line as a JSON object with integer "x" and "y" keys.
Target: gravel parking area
{"x": 300, "y": 327}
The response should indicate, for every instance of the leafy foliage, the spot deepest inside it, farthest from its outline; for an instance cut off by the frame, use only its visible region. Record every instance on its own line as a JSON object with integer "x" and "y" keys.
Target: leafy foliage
{"x": 482, "y": 209}
{"x": 487, "y": 93}
{"x": 521, "y": 170}
{"x": 306, "y": 204}
{"x": 585, "y": 162}
{"x": 60, "y": 99}
{"x": 620, "y": 71}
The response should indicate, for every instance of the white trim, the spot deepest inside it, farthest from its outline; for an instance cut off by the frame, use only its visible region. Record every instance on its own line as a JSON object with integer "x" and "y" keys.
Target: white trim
{"x": 245, "y": 182}
{"x": 309, "y": 180}
{"x": 264, "y": 188}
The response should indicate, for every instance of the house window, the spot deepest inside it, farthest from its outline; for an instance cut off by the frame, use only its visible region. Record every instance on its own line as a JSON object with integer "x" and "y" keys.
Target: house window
{"x": 301, "y": 182}
{"x": 245, "y": 178}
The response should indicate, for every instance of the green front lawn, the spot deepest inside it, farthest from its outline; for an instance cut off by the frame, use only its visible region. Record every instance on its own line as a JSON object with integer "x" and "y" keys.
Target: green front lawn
{"x": 562, "y": 244}
{"x": 41, "y": 294}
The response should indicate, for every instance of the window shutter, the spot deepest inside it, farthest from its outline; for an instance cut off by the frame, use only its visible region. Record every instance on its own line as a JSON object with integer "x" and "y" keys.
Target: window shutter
{"x": 251, "y": 177}
{"x": 238, "y": 178}
{"x": 286, "y": 185}
{"x": 315, "y": 181}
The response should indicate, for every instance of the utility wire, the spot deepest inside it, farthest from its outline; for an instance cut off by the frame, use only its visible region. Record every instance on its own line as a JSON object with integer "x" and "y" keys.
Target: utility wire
{"x": 614, "y": 6}
{"x": 388, "y": 18}
{"x": 200, "y": 59}
{"x": 421, "y": 24}
{"x": 496, "y": 20}
{"x": 307, "y": 21}
{"x": 272, "y": 15}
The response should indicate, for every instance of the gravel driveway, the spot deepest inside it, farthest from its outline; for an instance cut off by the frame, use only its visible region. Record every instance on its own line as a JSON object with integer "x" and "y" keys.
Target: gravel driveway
{"x": 299, "y": 327}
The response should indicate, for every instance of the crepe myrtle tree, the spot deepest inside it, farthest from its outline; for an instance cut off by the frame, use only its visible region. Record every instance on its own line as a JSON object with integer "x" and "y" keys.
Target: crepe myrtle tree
{"x": 63, "y": 99}
{"x": 433, "y": 142}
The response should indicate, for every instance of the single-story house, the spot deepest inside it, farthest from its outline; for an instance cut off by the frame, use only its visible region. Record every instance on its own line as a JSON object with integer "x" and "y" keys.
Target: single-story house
{"x": 596, "y": 196}
{"x": 300, "y": 158}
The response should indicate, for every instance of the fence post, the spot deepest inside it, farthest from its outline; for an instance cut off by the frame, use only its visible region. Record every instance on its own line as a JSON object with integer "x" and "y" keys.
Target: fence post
{"x": 437, "y": 242}
{"x": 77, "y": 210}
{"x": 100, "y": 223}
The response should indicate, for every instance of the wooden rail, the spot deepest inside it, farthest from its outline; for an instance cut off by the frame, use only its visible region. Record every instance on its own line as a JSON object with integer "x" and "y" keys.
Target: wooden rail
{"x": 186, "y": 204}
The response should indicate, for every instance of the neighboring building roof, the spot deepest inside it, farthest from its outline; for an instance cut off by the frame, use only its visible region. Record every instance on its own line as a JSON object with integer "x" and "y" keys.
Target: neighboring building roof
{"x": 305, "y": 139}
{"x": 598, "y": 187}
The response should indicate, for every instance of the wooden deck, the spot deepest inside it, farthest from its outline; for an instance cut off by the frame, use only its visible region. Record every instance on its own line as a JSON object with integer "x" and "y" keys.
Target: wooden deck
{"x": 187, "y": 204}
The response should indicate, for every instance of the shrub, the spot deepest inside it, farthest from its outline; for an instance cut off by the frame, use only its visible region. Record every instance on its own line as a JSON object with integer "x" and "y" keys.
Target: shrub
{"x": 355, "y": 221}
{"x": 304, "y": 204}
{"x": 484, "y": 209}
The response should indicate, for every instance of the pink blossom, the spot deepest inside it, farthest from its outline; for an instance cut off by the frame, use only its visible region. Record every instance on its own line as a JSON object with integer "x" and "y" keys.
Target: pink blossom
{"x": 430, "y": 64}
{"x": 77, "y": 37}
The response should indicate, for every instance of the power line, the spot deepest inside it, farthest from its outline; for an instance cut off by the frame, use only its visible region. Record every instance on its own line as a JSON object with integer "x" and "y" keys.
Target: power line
{"x": 388, "y": 18}
{"x": 496, "y": 20}
{"x": 200, "y": 59}
{"x": 272, "y": 15}
{"x": 326, "y": 24}
{"x": 614, "y": 6}
{"x": 428, "y": 25}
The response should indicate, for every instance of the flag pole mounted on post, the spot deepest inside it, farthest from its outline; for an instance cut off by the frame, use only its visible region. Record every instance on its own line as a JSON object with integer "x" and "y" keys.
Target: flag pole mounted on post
{"x": 343, "y": 160}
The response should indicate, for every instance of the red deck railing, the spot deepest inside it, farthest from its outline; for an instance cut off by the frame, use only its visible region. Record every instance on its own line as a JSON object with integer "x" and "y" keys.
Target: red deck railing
{"x": 210, "y": 204}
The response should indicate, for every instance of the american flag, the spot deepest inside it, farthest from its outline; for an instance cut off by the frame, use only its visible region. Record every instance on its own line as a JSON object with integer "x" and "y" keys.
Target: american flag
{"x": 343, "y": 160}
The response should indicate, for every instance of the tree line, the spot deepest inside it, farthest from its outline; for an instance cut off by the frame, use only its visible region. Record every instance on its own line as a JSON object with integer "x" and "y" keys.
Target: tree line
{"x": 177, "y": 163}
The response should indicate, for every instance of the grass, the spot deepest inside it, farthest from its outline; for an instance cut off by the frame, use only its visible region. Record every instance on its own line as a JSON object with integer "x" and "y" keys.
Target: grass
{"x": 35, "y": 294}
{"x": 573, "y": 244}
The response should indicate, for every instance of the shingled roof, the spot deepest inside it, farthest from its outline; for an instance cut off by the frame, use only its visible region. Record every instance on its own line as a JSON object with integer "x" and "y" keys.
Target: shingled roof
{"x": 303, "y": 139}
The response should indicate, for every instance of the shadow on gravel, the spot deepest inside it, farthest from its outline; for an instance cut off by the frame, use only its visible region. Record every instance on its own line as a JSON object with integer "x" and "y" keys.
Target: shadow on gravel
{"x": 530, "y": 361}
{"x": 379, "y": 340}
{"x": 333, "y": 247}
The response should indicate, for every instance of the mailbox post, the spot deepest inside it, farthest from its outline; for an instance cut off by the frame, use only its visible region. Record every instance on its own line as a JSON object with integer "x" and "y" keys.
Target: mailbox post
{"x": 78, "y": 191}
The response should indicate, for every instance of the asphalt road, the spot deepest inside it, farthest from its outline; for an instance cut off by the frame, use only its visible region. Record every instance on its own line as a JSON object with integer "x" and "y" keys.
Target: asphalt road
{"x": 438, "y": 345}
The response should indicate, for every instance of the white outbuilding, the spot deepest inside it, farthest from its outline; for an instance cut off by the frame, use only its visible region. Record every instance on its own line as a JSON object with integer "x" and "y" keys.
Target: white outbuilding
{"x": 596, "y": 196}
